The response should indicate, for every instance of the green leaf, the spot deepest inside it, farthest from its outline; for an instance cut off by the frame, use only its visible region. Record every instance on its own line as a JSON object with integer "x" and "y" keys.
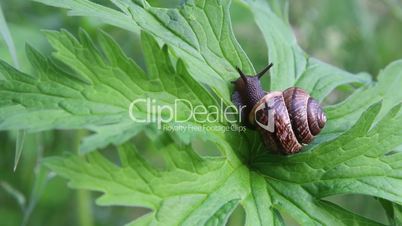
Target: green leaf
{"x": 19, "y": 145}
{"x": 202, "y": 186}
{"x": 195, "y": 187}
{"x": 5, "y": 33}
{"x": 292, "y": 65}
{"x": 89, "y": 91}
{"x": 91, "y": 9}
{"x": 221, "y": 216}
{"x": 394, "y": 212}
{"x": 294, "y": 185}
{"x": 199, "y": 32}
{"x": 386, "y": 89}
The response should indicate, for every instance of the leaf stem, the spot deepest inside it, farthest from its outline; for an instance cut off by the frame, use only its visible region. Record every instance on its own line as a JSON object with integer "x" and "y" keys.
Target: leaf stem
{"x": 84, "y": 209}
{"x": 83, "y": 197}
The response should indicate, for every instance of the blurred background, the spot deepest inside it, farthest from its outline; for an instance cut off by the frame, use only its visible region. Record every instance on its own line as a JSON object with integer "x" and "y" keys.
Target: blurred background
{"x": 356, "y": 35}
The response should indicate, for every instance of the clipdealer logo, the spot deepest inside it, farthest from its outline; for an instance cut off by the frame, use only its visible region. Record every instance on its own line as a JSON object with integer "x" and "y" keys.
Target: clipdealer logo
{"x": 173, "y": 116}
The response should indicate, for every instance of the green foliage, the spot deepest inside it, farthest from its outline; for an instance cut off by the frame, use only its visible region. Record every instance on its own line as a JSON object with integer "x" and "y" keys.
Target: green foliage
{"x": 5, "y": 33}
{"x": 199, "y": 32}
{"x": 93, "y": 92}
{"x": 88, "y": 85}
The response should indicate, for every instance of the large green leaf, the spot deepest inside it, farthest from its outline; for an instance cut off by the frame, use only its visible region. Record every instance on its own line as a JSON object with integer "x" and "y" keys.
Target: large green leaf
{"x": 88, "y": 91}
{"x": 199, "y": 32}
{"x": 202, "y": 187}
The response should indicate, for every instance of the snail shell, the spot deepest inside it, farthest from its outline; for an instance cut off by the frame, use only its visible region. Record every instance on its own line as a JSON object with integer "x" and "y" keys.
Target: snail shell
{"x": 296, "y": 119}
{"x": 286, "y": 120}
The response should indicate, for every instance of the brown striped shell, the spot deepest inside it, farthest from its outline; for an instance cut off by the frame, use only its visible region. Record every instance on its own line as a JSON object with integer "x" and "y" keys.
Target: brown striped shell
{"x": 296, "y": 119}
{"x": 286, "y": 120}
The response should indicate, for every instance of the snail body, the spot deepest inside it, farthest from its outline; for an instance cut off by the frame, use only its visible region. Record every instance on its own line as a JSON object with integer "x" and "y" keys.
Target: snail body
{"x": 286, "y": 120}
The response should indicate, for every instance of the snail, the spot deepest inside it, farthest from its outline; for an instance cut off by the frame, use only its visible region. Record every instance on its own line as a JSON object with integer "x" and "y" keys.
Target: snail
{"x": 286, "y": 120}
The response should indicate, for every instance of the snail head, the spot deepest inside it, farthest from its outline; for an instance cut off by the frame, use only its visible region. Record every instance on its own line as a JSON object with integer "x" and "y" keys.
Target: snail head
{"x": 249, "y": 87}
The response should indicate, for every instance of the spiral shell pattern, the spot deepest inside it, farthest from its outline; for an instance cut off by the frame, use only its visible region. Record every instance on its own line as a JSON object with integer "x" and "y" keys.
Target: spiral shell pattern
{"x": 297, "y": 118}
